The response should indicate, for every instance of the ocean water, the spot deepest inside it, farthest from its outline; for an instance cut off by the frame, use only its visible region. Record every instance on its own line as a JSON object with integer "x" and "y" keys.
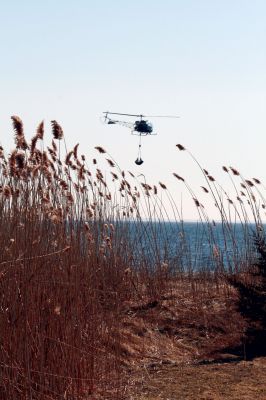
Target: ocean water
{"x": 192, "y": 246}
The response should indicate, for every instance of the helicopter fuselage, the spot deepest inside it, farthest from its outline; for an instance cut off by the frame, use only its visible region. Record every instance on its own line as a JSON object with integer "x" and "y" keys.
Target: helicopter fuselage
{"x": 143, "y": 127}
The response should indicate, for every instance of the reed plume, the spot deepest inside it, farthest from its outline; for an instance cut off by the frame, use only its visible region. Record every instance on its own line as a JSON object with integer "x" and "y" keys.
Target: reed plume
{"x": 57, "y": 130}
{"x": 178, "y": 177}
{"x": 40, "y": 130}
{"x": 163, "y": 186}
{"x": 235, "y": 171}
{"x": 100, "y": 149}
{"x": 180, "y": 147}
{"x": 19, "y": 133}
{"x": 17, "y": 125}
{"x": 110, "y": 162}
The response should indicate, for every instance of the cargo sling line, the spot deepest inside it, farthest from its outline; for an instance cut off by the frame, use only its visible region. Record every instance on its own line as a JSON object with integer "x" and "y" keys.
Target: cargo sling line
{"x": 139, "y": 161}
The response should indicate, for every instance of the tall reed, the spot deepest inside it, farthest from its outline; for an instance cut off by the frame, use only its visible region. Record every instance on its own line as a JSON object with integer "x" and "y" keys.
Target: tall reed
{"x": 78, "y": 244}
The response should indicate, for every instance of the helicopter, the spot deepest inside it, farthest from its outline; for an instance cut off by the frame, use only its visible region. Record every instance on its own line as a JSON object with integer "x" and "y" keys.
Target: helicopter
{"x": 140, "y": 127}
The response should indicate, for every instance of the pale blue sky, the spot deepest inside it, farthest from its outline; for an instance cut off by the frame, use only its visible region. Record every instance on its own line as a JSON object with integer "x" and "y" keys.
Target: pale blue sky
{"x": 202, "y": 60}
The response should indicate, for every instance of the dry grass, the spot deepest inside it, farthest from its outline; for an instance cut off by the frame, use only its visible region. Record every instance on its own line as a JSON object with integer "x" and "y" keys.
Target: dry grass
{"x": 184, "y": 323}
{"x": 88, "y": 286}
{"x": 184, "y": 347}
{"x": 225, "y": 381}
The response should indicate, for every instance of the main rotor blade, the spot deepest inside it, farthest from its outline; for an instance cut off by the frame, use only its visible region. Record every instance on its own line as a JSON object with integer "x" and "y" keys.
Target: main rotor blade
{"x": 129, "y": 115}
{"x": 161, "y": 116}
{"x": 142, "y": 116}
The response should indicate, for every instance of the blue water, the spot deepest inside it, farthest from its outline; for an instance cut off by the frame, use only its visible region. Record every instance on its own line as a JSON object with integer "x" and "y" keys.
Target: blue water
{"x": 191, "y": 246}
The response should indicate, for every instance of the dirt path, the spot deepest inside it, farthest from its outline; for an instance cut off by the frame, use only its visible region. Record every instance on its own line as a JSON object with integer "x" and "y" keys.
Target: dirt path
{"x": 219, "y": 381}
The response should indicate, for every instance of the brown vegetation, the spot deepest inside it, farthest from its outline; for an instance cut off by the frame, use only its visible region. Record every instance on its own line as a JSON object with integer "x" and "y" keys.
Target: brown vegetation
{"x": 82, "y": 303}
